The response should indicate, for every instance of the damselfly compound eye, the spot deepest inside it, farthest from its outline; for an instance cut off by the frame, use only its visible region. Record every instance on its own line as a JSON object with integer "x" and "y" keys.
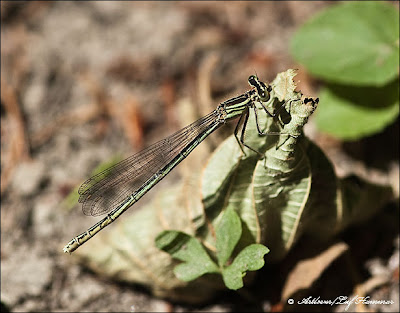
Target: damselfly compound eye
{"x": 252, "y": 80}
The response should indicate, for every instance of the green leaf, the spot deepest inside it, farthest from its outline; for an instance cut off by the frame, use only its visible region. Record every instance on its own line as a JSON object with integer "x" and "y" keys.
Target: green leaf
{"x": 229, "y": 186}
{"x": 228, "y": 232}
{"x": 181, "y": 246}
{"x": 354, "y": 112}
{"x": 355, "y": 43}
{"x": 281, "y": 202}
{"x": 250, "y": 258}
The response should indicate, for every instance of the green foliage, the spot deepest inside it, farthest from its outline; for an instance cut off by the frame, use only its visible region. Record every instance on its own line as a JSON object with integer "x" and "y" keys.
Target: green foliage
{"x": 354, "y": 112}
{"x": 228, "y": 233}
{"x": 197, "y": 262}
{"x": 353, "y": 45}
{"x": 269, "y": 194}
{"x": 249, "y": 259}
{"x": 186, "y": 248}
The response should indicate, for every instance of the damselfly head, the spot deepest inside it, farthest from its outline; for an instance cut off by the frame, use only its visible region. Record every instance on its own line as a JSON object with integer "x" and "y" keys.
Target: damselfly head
{"x": 260, "y": 87}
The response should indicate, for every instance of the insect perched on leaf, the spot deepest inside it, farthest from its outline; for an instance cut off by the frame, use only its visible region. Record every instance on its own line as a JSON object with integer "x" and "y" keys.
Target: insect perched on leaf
{"x": 267, "y": 184}
{"x": 117, "y": 188}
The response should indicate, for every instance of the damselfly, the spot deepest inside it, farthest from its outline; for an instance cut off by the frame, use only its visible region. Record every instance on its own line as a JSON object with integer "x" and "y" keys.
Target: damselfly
{"x": 116, "y": 189}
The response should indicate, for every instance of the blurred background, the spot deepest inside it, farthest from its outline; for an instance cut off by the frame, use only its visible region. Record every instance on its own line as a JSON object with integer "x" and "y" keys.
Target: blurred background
{"x": 83, "y": 83}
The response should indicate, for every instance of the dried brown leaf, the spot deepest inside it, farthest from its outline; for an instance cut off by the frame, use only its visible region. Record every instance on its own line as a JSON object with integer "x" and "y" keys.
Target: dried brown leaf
{"x": 308, "y": 271}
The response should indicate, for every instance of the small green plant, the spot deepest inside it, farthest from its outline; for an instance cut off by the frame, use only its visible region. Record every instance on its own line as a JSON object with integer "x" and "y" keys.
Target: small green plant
{"x": 354, "y": 47}
{"x": 197, "y": 262}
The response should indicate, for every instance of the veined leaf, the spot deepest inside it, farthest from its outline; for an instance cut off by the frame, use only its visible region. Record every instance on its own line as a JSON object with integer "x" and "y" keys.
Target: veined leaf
{"x": 280, "y": 202}
{"x": 234, "y": 186}
{"x": 355, "y": 42}
{"x": 181, "y": 246}
{"x": 354, "y": 112}
{"x": 250, "y": 258}
{"x": 228, "y": 233}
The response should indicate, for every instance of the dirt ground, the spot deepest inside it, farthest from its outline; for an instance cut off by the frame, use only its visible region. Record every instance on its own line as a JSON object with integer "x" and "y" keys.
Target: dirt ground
{"x": 84, "y": 81}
